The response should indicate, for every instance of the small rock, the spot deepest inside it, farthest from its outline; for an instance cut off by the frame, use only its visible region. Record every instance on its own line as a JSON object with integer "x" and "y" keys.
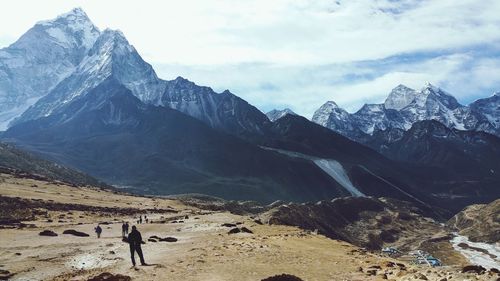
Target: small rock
{"x": 234, "y": 230}
{"x": 282, "y": 277}
{"x": 47, "y": 233}
{"x": 168, "y": 239}
{"x": 420, "y": 276}
{"x": 246, "y": 230}
{"x": 383, "y": 276}
{"x": 106, "y": 276}
{"x": 473, "y": 269}
{"x": 75, "y": 233}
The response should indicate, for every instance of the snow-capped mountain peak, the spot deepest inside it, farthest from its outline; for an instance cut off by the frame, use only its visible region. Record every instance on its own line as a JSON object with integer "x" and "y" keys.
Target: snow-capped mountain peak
{"x": 276, "y": 114}
{"x": 72, "y": 25}
{"x": 331, "y": 115}
{"x": 110, "y": 56}
{"x": 400, "y": 97}
{"x": 41, "y": 58}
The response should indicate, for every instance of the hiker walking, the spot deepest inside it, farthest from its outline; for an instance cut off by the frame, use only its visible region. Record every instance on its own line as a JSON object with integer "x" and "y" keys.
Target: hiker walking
{"x": 140, "y": 219}
{"x": 135, "y": 240}
{"x": 146, "y": 218}
{"x": 98, "y": 231}
{"x": 124, "y": 229}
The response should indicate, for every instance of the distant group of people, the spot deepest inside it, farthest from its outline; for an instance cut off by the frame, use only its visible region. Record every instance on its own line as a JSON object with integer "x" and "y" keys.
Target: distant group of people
{"x": 134, "y": 238}
{"x": 139, "y": 221}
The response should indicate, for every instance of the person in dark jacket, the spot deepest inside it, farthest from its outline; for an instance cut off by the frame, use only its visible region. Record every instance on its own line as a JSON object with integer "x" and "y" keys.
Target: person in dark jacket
{"x": 123, "y": 230}
{"x": 134, "y": 241}
{"x": 98, "y": 231}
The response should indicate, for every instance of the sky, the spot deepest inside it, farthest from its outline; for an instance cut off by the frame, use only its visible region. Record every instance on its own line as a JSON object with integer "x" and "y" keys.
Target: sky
{"x": 296, "y": 53}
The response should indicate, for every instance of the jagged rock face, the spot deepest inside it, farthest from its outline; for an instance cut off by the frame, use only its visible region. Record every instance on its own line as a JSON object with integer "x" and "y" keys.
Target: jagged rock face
{"x": 404, "y": 106}
{"x": 224, "y": 111}
{"x": 480, "y": 223}
{"x": 46, "y": 54}
{"x": 275, "y": 114}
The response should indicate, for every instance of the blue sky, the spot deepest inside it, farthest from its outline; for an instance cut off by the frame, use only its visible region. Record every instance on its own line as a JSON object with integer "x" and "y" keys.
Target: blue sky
{"x": 297, "y": 53}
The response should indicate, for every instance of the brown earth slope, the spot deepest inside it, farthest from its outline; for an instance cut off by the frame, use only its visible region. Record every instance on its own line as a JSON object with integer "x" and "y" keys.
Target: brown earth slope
{"x": 481, "y": 222}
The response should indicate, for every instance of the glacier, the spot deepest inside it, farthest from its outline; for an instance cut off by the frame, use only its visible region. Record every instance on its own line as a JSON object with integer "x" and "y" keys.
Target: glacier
{"x": 476, "y": 257}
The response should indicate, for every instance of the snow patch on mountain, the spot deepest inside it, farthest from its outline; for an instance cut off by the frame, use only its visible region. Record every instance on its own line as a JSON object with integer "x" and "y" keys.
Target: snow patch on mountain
{"x": 335, "y": 170}
{"x": 330, "y": 166}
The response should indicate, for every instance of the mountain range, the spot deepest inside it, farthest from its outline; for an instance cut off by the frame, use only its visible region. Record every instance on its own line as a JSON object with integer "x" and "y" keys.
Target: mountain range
{"x": 104, "y": 111}
{"x": 405, "y": 106}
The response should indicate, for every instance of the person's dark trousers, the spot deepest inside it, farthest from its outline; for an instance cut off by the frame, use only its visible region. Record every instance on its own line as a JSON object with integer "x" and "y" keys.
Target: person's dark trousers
{"x": 137, "y": 249}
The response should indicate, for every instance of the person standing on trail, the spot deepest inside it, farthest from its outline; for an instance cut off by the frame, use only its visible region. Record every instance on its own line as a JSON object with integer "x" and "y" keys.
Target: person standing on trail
{"x": 126, "y": 228}
{"x": 140, "y": 219}
{"x": 134, "y": 241}
{"x": 98, "y": 231}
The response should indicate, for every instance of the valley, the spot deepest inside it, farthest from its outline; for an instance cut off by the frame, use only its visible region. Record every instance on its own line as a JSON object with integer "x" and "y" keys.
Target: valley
{"x": 203, "y": 250}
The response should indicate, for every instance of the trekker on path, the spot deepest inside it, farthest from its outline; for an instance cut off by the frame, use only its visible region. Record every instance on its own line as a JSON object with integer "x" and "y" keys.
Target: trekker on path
{"x": 98, "y": 231}
{"x": 134, "y": 241}
{"x": 124, "y": 229}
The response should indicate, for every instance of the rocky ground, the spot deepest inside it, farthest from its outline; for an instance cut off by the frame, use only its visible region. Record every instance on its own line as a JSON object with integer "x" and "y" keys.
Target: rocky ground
{"x": 203, "y": 248}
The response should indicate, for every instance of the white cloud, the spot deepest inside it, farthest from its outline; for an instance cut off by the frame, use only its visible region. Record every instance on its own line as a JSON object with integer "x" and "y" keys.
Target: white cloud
{"x": 299, "y": 53}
